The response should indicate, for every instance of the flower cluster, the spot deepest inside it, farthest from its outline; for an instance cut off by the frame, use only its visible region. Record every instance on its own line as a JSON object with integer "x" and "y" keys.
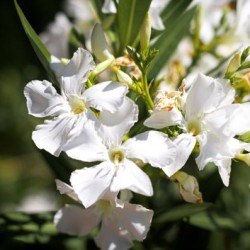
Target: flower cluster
{"x": 101, "y": 123}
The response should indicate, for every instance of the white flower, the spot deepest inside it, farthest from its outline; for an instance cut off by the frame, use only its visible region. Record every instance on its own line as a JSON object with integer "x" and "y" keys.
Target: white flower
{"x": 155, "y": 10}
{"x": 55, "y": 37}
{"x": 80, "y": 10}
{"x": 117, "y": 170}
{"x": 78, "y": 66}
{"x": 121, "y": 222}
{"x": 71, "y": 110}
{"x": 208, "y": 117}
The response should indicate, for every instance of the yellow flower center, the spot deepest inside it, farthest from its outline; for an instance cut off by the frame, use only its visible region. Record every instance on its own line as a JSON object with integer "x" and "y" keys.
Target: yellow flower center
{"x": 77, "y": 105}
{"x": 105, "y": 206}
{"x": 116, "y": 156}
{"x": 194, "y": 127}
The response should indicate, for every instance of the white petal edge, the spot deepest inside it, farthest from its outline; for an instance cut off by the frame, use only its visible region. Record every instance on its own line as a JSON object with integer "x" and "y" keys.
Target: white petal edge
{"x": 184, "y": 144}
{"x": 152, "y": 147}
{"x": 91, "y": 183}
{"x": 106, "y": 96}
{"x": 43, "y": 100}
{"x": 74, "y": 220}
{"x": 86, "y": 145}
{"x": 136, "y": 219}
{"x": 53, "y": 135}
{"x": 208, "y": 94}
{"x": 111, "y": 237}
{"x": 116, "y": 125}
{"x": 130, "y": 176}
{"x": 164, "y": 118}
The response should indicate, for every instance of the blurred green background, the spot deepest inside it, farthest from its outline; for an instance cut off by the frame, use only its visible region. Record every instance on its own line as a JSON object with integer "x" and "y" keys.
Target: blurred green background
{"x": 23, "y": 172}
{"x": 27, "y": 183}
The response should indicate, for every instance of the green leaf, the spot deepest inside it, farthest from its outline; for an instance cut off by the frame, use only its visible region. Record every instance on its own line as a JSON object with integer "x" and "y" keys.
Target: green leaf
{"x": 181, "y": 212}
{"x": 97, "y": 6}
{"x": 167, "y": 43}
{"x": 39, "y": 48}
{"x": 245, "y": 137}
{"x": 173, "y": 10}
{"x": 213, "y": 221}
{"x": 131, "y": 14}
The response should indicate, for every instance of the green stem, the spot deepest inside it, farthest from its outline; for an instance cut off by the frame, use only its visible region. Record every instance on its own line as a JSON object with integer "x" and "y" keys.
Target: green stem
{"x": 147, "y": 97}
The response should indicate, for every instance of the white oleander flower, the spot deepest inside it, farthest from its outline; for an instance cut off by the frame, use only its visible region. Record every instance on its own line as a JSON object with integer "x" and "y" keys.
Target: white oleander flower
{"x": 72, "y": 108}
{"x": 208, "y": 117}
{"x": 117, "y": 170}
{"x": 121, "y": 222}
{"x": 55, "y": 37}
{"x": 155, "y": 10}
{"x": 79, "y": 66}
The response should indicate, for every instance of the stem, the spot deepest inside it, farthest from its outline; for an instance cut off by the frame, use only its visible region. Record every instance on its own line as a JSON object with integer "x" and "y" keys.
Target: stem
{"x": 148, "y": 99}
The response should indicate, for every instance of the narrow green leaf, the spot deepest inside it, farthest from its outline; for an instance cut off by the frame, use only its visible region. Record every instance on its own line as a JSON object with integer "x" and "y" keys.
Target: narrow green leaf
{"x": 97, "y": 6}
{"x": 131, "y": 14}
{"x": 245, "y": 137}
{"x": 173, "y": 10}
{"x": 213, "y": 221}
{"x": 180, "y": 212}
{"x": 169, "y": 40}
{"x": 39, "y": 48}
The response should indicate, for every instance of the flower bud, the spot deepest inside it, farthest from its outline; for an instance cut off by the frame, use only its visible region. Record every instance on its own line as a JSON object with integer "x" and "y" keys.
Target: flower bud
{"x": 99, "y": 44}
{"x": 244, "y": 157}
{"x": 234, "y": 64}
{"x": 145, "y": 34}
{"x": 100, "y": 68}
{"x": 123, "y": 77}
{"x": 188, "y": 187}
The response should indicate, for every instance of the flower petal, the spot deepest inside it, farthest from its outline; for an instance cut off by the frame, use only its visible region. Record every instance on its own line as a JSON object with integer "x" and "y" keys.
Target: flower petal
{"x": 151, "y": 147}
{"x": 224, "y": 167}
{"x": 207, "y": 94}
{"x": 116, "y": 125}
{"x": 184, "y": 144}
{"x": 241, "y": 122}
{"x": 71, "y": 86}
{"x": 130, "y": 176}
{"x": 90, "y": 184}
{"x": 164, "y": 118}
{"x": 79, "y": 65}
{"x": 222, "y": 121}
{"x": 106, "y": 96}
{"x": 136, "y": 219}
{"x": 74, "y": 220}
{"x": 108, "y": 7}
{"x": 53, "y": 135}
{"x": 43, "y": 100}
{"x": 86, "y": 145}
{"x": 214, "y": 148}
{"x": 111, "y": 237}
{"x": 64, "y": 188}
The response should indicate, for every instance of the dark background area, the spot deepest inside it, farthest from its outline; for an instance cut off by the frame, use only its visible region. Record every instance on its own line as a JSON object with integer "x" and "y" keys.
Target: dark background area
{"x": 23, "y": 172}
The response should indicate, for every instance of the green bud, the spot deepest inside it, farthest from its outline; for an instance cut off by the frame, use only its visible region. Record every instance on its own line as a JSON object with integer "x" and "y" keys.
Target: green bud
{"x": 123, "y": 77}
{"x": 145, "y": 34}
{"x": 234, "y": 64}
{"x": 100, "y": 68}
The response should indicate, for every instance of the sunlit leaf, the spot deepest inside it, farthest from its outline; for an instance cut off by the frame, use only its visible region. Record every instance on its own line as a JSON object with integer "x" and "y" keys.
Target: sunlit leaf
{"x": 130, "y": 17}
